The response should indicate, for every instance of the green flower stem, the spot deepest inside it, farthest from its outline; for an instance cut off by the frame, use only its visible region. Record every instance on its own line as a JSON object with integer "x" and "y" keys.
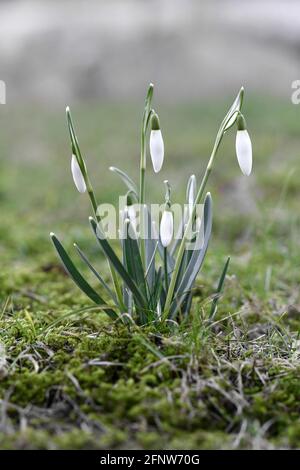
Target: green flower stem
{"x": 142, "y": 189}
{"x": 189, "y": 226}
{"x": 166, "y": 269}
{"x": 145, "y": 122}
{"x": 227, "y": 122}
{"x": 142, "y": 167}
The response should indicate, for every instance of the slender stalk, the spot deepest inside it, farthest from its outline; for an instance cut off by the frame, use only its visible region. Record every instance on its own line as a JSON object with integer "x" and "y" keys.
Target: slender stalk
{"x": 142, "y": 192}
{"x": 166, "y": 269}
{"x": 189, "y": 225}
{"x": 142, "y": 167}
{"x": 145, "y": 122}
{"x": 233, "y": 112}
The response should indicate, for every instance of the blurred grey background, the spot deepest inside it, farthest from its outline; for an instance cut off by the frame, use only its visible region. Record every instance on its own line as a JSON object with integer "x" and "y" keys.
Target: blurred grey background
{"x": 99, "y": 56}
{"x": 62, "y": 51}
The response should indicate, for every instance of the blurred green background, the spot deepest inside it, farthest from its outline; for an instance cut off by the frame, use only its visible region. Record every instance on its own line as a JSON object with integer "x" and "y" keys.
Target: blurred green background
{"x": 256, "y": 219}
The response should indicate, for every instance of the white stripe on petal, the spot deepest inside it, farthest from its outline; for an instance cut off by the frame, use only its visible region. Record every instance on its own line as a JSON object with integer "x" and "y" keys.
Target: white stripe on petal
{"x": 156, "y": 149}
{"x": 132, "y": 215}
{"x": 77, "y": 175}
{"x": 243, "y": 148}
{"x": 166, "y": 228}
{"x": 191, "y": 193}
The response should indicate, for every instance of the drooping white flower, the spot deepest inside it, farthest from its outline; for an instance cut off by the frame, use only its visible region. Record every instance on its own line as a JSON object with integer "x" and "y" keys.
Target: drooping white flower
{"x": 166, "y": 228}
{"x": 77, "y": 175}
{"x": 156, "y": 144}
{"x": 243, "y": 147}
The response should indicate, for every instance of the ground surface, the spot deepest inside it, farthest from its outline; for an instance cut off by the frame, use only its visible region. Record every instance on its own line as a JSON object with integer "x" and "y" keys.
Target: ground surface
{"x": 69, "y": 378}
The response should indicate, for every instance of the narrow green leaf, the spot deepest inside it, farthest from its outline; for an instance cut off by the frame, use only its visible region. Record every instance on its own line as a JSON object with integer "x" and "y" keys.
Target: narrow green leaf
{"x": 159, "y": 293}
{"x": 127, "y": 299}
{"x": 153, "y": 349}
{"x": 74, "y": 141}
{"x": 214, "y": 305}
{"x": 95, "y": 272}
{"x": 151, "y": 268}
{"x": 150, "y": 248}
{"x": 147, "y": 109}
{"x": 133, "y": 259}
{"x": 77, "y": 277}
{"x": 179, "y": 234}
{"x": 196, "y": 259}
{"x": 126, "y": 179}
{"x": 191, "y": 187}
{"x": 184, "y": 264}
{"x": 110, "y": 254}
{"x": 234, "y": 109}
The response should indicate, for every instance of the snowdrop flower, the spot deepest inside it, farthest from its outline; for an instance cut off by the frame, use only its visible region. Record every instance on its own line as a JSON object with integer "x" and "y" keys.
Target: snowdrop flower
{"x": 166, "y": 228}
{"x": 243, "y": 146}
{"x": 77, "y": 175}
{"x": 156, "y": 144}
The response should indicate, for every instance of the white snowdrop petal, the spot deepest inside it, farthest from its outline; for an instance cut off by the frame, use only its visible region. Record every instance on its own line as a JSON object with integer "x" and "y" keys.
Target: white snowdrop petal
{"x": 156, "y": 149}
{"x": 243, "y": 148}
{"x": 77, "y": 175}
{"x": 166, "y": 228}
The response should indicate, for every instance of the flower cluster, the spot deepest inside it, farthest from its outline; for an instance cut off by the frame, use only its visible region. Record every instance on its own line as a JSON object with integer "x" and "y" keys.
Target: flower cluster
{"x": 155, "y": 278}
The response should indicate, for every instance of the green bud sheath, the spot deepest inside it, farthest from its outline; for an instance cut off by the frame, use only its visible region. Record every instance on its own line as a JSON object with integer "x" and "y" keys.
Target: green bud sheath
{"x": 130, "y": 198}
{"x": 241, "y": 123}
{"x": 155, "y": 122}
